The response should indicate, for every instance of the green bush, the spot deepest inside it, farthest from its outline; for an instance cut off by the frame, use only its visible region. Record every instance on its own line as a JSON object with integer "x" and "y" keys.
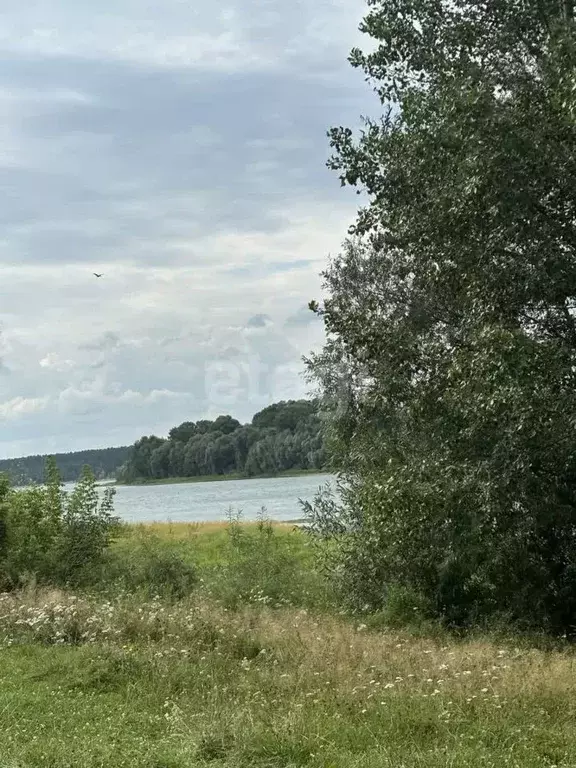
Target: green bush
{"x": 266, "y": 567}
{"x": 478, "y": 517}
{"x": 51, "y": 536}
{"x": 151, "y": 567}
{"x": 404, "y": 608}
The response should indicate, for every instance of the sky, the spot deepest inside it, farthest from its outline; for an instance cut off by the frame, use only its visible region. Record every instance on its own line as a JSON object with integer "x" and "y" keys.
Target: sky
{"x": 180, "y": 149}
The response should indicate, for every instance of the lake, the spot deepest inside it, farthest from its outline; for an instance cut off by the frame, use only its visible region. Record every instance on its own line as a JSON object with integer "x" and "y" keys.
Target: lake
{"x": 210, "y": 501}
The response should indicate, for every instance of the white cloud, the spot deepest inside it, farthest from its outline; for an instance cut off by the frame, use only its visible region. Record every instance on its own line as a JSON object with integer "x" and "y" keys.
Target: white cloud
{"x": 22, "y": 406}
{"x": 146, "y": 348}
{"x": 180, "y": 150}
{"x": 248, "y": 34}
{"x": 53, "y": 360}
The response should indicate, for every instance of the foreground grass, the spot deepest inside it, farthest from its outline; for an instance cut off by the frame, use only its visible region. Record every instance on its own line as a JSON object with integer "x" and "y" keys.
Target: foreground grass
{"x": 123, "y": 681}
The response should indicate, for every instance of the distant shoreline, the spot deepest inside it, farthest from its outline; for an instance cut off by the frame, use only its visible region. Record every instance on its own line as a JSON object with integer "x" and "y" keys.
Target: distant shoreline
{"x": 224, "y": 478}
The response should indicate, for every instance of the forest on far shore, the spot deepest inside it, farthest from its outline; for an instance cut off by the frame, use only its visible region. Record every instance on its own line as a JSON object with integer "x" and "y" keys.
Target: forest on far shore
{"x": 31, "y": 469}
{"x": 284, "y": 436}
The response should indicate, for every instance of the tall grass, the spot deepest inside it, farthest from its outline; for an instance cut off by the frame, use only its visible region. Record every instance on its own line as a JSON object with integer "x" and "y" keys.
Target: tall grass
{"x": 125, "y": 683}
{"x": 233, "y": 563}
{"x": 137, "y": 674}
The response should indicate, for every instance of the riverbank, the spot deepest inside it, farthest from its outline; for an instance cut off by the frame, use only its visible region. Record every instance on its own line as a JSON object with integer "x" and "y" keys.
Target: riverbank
{"x": 250, "y": 670}
{"x": 223, "y": 478}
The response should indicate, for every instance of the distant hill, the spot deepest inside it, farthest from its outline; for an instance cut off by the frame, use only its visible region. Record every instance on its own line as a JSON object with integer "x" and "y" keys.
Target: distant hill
{"x": 30, "y": 469}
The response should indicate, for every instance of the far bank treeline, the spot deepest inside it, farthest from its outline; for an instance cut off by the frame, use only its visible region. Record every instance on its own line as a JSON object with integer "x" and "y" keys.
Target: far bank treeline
{"x": 32, "y": 469}
{"x": 284, "y": 436}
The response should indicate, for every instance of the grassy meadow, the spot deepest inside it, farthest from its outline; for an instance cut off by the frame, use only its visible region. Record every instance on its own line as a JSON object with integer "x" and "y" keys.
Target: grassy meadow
{"x": 238, "y": 658}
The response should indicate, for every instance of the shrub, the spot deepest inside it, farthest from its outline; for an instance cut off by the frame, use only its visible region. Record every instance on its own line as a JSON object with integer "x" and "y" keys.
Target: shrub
{"x": 150, "y": 567}
{"x": 51, "y": 536}
{"x": 264, "y": 567}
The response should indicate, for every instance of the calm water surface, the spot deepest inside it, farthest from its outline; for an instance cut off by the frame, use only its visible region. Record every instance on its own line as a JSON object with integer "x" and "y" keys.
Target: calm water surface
{"x": 180, "y": 502}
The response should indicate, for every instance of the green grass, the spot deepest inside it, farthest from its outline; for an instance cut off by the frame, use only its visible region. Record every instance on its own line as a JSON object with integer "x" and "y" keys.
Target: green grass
{"x": 223, "y": 478}
{"x": 207, "y": 545}
{"x": 121, "y": 679}
{"x": 273, "y": 562}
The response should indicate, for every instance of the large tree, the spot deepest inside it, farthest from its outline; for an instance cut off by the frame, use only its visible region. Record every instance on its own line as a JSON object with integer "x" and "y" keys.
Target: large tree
{"x": 451, "y": 348}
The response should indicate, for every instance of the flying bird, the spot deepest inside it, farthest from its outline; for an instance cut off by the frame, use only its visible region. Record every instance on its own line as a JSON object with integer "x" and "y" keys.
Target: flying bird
{"x": 96, "y": 274}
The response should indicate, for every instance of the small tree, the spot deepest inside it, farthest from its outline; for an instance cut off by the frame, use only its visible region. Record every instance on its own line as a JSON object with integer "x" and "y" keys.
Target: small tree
{"x": 87, "y": 527}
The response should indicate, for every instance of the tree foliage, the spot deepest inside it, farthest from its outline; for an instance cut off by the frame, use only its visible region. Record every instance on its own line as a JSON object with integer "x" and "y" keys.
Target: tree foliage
{"x": 283, "y": 436}
{"x": 451, "y": 350}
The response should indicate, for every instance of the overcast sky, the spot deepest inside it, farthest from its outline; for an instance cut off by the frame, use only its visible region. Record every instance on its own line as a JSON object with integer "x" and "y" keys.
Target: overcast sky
{"x": 179, "y": 148}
